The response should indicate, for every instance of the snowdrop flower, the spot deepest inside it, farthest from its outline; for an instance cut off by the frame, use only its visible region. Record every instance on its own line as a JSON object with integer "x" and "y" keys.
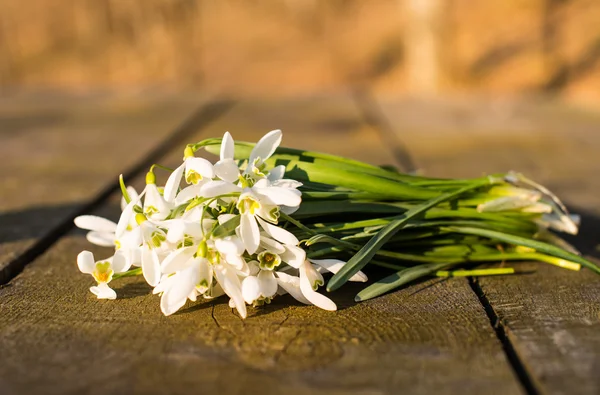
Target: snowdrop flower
{"x": 101, "y": 230}
{"x": 258, "y": 204}
{"x": 229, "y": 280}
{"x": 226, "y": 168}
{"x": 180, "y": 286}
{"x": 196, "y": 172}
{"x": 264, "y": 148}
{"x": 291, "y": 284}
{"x": 334, "y": 266}
{"x": 261, "y": 285}
{"x": 155, "y": 206}
{"x": 102, "y": 271}
{"x": 310, "y": 281}
{"x": 154, "y": 241}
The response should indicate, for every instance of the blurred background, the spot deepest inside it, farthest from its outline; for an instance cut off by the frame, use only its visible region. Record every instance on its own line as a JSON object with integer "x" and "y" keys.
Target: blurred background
{"x": 300, "y": 47}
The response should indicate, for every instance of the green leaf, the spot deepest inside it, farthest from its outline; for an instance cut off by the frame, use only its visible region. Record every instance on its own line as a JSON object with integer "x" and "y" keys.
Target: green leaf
{"x": 316, "y": 239}
{"x": 243, "y": 150}
{"x": 523, "y": 241}
{"x": 124, "y": 189}
{"x": 362, "y": 257}
{"x": 327, "y": 207}
{"x": 227, "y": 228}
{"x": 399, "y": 279}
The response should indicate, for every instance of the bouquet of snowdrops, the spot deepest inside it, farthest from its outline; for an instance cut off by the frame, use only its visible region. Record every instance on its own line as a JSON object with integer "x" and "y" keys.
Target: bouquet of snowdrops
{"x": 266, "y": 220}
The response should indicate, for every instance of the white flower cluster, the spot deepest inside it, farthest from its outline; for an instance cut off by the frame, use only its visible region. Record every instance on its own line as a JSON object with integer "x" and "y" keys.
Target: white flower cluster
{"x": 216, "y": 235}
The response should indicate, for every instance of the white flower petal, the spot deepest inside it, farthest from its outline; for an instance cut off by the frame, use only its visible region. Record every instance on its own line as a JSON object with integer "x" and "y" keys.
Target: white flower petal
{"x": 131, "y": 239}
{"x": 306, "y": 286}
{"x": 187, "y": 194}
{"x": 200, "y": 166}
{"x": 293, "y": 256}
{"x": 156, "y": 201}
{"x": 268, "y": 283}
{"x": 85, "y": 262}
{"x": 205, "y": 274}
{"x": 250, "y": 289}
{"x": 288, "y": 210}
{"x": 287, "y": 183}
{"x": 173, "y": 183}
{"x": 335, "y": 265}
{"x": 230, "y": 245}
{"x": 175, "y": 297}
{"x": 280, "y": 196}
{"x": 165, "y": 283}
{"x": 269, "y": 244}
{"x": 177, "y": 260}
{"x": 253, "y": 268}
{"x": 238, "y": 262}
{"x": 179, "y": 228}
{"x": 276, "y": 173}
{"x": 218, "y": 188}
{"x": 291, "y": 284}
{"x": 230, "y": 282}
{"x": 249, "y": 233}
{"x": 121, "y": 262}
{"x": 103, "y": 291}
{"x": 278, "y": 233}
{"x": 266, "y": 146}
{"x": 150, "y": 266}
{"x": 227, "y": 147}
{"x": 125, "y": 218}
{"x": 101, "y": 239}
{"x": 93, "y": 222}
{"x": 227, "y": 170}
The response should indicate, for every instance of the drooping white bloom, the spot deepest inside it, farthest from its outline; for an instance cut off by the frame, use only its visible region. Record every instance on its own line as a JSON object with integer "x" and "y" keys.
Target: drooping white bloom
{"x": 261, "y": 285}
{"x": 264, "y": 148}
{"x": 259, "y": 205}
{"x": 226, "y": 168}
{"x": 334, "y": 266}
{"x": 196, "y": 172}
{"x": 101, "y": 230}
{"x": 102, "y": 271}
{"x": 310, "y": 281}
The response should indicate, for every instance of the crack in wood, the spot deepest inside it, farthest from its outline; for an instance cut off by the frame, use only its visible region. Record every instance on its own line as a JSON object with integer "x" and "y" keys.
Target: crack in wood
{"x": 501, "y": 330}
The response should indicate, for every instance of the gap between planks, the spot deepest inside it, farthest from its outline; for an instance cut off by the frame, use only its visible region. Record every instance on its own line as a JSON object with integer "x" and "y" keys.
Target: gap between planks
{"x": 524, "y": 377}
{"x": 204, "y": 115}
{"x": 374, "y": 116}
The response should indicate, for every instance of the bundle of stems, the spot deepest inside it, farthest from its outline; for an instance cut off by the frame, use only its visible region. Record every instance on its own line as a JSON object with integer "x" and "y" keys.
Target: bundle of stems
{"x": 418, "y": 226}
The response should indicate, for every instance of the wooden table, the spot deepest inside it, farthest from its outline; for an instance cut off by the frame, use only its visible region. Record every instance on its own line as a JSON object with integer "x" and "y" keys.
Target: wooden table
{"x": 61, "y": 156}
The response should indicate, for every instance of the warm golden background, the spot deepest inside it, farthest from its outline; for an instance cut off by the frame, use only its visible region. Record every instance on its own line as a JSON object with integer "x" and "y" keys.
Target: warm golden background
{"x": 291, "y": 47}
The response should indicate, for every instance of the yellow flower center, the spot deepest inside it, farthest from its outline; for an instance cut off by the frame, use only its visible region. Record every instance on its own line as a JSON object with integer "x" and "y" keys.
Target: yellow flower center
{"x": 103, "y": 272}
{"x": 248, "y": 205}
{"x": 192, "y": 177}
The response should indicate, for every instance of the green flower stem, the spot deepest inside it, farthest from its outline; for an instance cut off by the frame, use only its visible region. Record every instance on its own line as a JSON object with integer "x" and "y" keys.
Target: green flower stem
{"x": 130, "y": 273}
{"x": 475, "y": 272}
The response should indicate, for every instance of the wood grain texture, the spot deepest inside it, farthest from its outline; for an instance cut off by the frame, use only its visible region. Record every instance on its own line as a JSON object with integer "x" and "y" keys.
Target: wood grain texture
{"x": 552, "y": 317}
{"x": 59, "y": 152}
{"x": 57, "y": 338}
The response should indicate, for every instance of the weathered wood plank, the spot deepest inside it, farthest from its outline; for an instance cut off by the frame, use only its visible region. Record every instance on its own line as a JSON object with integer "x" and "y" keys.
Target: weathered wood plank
{"x": 59, "y": 153}
{"x": 56, "y": 337}
{"x": 552, "y": 317}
